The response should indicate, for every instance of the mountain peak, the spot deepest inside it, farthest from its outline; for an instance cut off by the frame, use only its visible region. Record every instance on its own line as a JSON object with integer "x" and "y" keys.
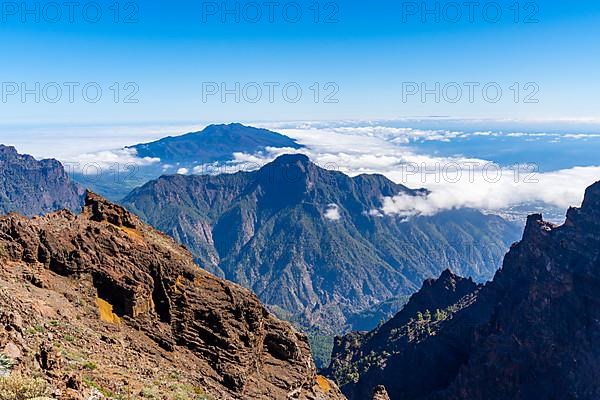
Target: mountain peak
{"x": 447, "y": 281}
{"x": 289, "y": 159}
{"x": 438, "y": 290}
{"x": 214, "y": 143}
{"x": 234, "y": 127}
{"x": 591, "y": 200}
{"x": 230, "y": 125}
{"x": 7, "y": 150}
{"x": 435, "y": 294}
{"x": 101, "y": 209}
{"x": 447, "y": 275}
{"x": 33, "y": 187}
{"x": 589, "y": 212}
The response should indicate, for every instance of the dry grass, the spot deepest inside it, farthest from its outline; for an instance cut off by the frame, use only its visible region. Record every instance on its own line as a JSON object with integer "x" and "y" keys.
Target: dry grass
{"x": 16, "y": 387}
{"x": 132, "y": 233}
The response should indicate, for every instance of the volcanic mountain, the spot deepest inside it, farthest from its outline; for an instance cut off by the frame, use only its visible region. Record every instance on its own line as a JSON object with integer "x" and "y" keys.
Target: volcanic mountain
{"x": 532, "y": 333}
{"x": 304, "y": 238}
{"x": 214, "y": 143}
{"x": 205, "y": 151}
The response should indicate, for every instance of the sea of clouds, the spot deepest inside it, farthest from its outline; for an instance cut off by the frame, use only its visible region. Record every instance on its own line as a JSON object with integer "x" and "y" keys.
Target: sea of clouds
{"x": 354, "y": 147}
{"x": 453, "y": 182}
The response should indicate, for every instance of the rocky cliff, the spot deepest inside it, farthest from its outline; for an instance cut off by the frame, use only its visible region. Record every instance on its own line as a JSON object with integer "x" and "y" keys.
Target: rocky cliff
{"x": 33, "y": 187}
{"x": 532, "y": 333}
{"x": 99, "y": 302}
{"x": 358, "y": 354}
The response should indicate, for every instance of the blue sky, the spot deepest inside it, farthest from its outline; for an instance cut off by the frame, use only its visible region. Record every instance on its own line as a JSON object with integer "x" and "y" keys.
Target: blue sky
{"x": 175, "y": 51}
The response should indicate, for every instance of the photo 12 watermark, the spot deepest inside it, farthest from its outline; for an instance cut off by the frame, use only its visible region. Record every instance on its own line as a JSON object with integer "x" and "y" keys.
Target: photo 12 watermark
{"x": 467, "y": 172}
{"x": 68, "y": 92}
{"x": 471, "y": 92}
{"x": 454, "y": 12}
{"x": 93, "y": 172}
{"x": 270, "y": 12}
{"x": 70, "y": 12}
{"x": 270, "y": 92}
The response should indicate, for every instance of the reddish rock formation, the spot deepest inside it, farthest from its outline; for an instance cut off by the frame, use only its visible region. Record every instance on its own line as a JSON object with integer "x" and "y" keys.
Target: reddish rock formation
{"x": 103, "y": 280}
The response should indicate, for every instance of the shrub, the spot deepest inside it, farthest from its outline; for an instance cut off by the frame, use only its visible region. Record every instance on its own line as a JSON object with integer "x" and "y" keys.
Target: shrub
{"x": 90, "y": 365}
{"x": 15, "y": 387}
{"x": 5, "y": 364}
{"x": 427, "y": 315}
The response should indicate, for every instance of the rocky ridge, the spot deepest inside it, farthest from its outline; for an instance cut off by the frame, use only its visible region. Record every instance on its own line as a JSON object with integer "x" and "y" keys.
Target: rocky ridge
{"x": 426, "y": 312}
{"x": 533, "y": 332}
{"x": 33, "y": 187}
{"x": 100, "y": 302}
{"x": 305, "y": 240}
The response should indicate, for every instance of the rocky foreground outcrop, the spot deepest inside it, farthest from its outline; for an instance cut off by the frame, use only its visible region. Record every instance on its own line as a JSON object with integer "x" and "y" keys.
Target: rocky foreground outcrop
{"x": 99, "y": 302}
{"x": 532, "y": 333}
{"x": 33, "y": 187}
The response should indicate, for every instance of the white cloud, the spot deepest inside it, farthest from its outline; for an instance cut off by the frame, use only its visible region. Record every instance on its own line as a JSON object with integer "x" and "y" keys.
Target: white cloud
{"x": 562, "y": 189}
{"x": 67, "y": 142}
{"x": 333, "y": 212}
{"x": 183, "y": 171}
{"x": 354, "y": 147}
{"x": 454, "y": 182}
{"x": 107, "y": 159}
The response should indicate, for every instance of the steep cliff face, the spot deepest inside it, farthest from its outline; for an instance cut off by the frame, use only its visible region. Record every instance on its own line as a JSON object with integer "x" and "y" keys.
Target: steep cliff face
{"x": 357, "y": 355}
{"x": 533, "y": 332}
{"x": 32, "y": 187}
{"x": 124, "y": 308}
{"x": 303, "y": 239}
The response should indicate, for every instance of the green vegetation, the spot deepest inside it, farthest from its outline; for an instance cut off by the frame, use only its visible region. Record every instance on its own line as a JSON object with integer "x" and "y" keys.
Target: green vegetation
{"x": 423, "y": 325}
{"x": 321, "y": 346}
{"x": 89, "y": 382}
{"x": 5, "y": 364}
{"x": 90, "y": 365}
{"x": 187, "y": 392}
{"x": 440, "y": 315}
{"x": 34, "y": 330}
{"x": 69, "y": 338}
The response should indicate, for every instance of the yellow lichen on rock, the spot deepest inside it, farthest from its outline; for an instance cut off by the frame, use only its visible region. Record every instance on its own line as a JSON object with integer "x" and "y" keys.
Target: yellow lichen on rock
{"x": 106, "y": 312}
{"x": 132, "y": 233}
{"x": 323, "y": 383}
{"x": 179, "y": 285}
